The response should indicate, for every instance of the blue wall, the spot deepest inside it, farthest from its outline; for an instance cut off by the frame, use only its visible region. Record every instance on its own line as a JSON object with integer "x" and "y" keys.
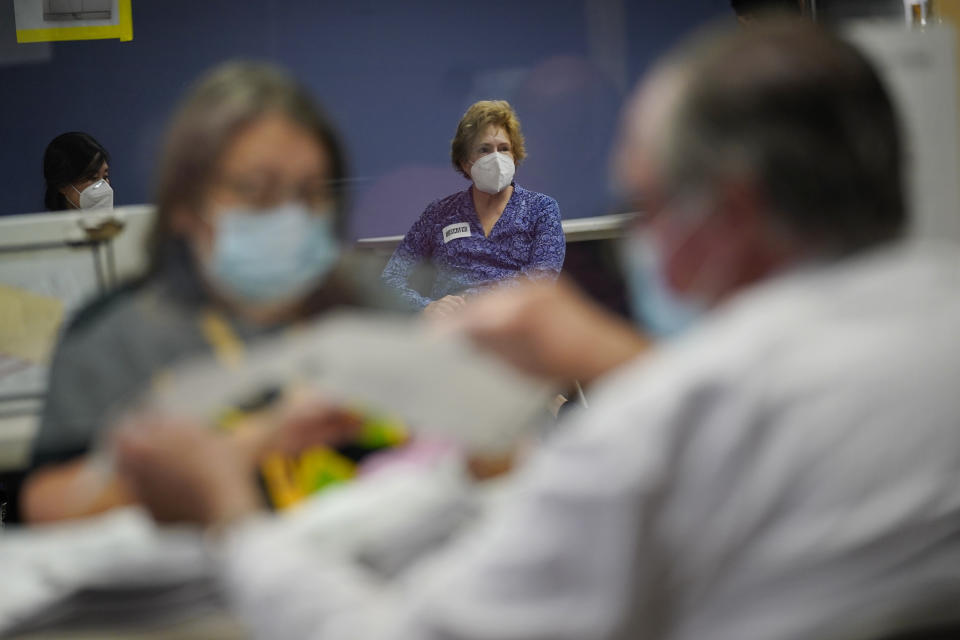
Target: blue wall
{"x": 395, "y": 76}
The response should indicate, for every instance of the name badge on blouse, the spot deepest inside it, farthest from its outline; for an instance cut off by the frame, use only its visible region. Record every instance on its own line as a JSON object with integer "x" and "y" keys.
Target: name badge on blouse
{"x": 455, "y": 230}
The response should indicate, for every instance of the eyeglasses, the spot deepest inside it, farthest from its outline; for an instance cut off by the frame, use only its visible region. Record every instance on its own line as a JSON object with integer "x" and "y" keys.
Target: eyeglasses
{"x": 260, "y": 191}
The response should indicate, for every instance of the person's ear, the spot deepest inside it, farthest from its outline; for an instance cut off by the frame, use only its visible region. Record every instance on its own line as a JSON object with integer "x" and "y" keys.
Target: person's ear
{"x": 188, "y": 223}
{"x": 465, "y": 167}
{"x": 752, "y": 231}
{"x": 742, "y": 204}
{"x": 193, "y": 227}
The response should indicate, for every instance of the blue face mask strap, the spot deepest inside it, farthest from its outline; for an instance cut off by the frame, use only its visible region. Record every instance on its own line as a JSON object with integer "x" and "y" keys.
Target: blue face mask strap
{"x": 655, "y": 305}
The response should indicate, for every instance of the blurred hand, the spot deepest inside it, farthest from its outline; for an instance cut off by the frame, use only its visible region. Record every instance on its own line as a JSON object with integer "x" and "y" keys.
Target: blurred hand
{"x": 550, "y": 330}
{"x": 444, "y": 307}
{"x": 185, "y": 472}
{"x": 303, "y": 420}
{"x": 307, "y": 420}
{"x": 489, "y": 467}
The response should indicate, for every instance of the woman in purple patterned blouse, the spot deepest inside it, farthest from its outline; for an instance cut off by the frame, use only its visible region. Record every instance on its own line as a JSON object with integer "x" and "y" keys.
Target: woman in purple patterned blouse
{"x": 492, "y": 232}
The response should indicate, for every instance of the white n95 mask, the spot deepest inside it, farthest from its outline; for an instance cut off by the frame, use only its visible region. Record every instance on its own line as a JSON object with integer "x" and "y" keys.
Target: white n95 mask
{"x": 493, "y": 172}
{"x": 273, "y": 255}
{"x": 98, "y": 195}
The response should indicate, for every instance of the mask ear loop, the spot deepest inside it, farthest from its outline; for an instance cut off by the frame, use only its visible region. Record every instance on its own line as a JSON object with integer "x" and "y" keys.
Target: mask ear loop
{"x": 704, "y": 279}
{"x": 70, "y": 202}
{"x": 710, "y": 279}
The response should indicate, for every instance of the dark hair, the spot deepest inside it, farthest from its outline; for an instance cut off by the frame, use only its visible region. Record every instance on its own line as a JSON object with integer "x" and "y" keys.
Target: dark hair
{"x": 221, "y": 104}
{"x": 69, "y": 157}
{"x": 806, "y": 117}
{"x": 748, "y": 7}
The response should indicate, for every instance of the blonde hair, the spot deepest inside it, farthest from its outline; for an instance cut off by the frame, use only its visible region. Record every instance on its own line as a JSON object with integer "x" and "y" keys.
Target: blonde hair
{"x": 475, "y": 121}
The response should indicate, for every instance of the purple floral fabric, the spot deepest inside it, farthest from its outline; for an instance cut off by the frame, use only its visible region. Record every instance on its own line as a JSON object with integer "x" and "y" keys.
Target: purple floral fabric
{"x": 526, "y": 241}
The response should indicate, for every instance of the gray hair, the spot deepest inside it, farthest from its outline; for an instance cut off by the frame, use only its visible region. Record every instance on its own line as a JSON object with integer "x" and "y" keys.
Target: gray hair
{"x": 802, "y": 114}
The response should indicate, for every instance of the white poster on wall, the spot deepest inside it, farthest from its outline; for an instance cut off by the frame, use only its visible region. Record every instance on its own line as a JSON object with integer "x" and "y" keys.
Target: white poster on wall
{"x": 49, "y": 20}
{"x": 54, "y": 14}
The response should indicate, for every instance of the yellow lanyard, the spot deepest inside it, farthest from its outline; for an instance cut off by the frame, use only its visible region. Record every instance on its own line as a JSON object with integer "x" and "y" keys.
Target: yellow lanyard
{"x": 227, "y": 348}
{"x": 289, "y": 480}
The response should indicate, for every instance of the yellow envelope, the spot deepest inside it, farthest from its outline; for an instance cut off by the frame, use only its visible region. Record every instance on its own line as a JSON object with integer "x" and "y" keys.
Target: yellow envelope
{"x": 28, "y": 324}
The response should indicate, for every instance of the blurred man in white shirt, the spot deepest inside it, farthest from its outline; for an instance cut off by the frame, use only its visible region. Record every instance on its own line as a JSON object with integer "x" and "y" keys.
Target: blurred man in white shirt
{"x": 780, "y": 463}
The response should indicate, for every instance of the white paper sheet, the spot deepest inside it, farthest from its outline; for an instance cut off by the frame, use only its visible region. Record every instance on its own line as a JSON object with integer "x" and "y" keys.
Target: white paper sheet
{"x": 441, "y": 385}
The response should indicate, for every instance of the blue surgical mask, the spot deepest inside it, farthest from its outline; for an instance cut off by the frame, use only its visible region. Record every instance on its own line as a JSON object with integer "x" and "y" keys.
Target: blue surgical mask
{"x": 659, "y": 310}
{"x": 274, "y": 255}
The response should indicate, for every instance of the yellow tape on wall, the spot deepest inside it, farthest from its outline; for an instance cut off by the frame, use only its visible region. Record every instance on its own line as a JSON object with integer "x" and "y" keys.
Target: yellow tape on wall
{"x": 122, "y": 30}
